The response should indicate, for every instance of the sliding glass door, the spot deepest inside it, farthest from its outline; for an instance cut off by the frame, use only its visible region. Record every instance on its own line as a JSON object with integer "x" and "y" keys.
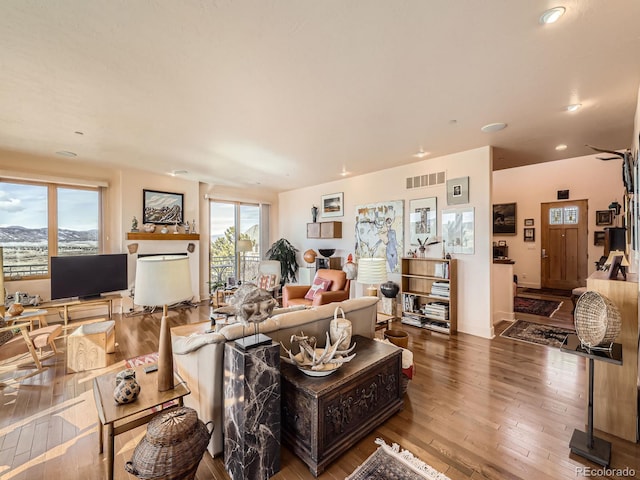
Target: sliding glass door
{"x": 234, "y": 252}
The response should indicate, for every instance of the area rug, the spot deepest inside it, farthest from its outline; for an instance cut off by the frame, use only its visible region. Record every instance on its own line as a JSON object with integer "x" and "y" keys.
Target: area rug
{"x": 558, "y": 292}
{"x": 535, "y": 306}
{"x": 536, "y": 333}
{"x": 141, "y": 360}
{"x": 388, "y": 462}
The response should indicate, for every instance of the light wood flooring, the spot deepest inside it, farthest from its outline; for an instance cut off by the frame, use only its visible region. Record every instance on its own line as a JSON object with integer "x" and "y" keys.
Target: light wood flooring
{"x": 476, "y": 409}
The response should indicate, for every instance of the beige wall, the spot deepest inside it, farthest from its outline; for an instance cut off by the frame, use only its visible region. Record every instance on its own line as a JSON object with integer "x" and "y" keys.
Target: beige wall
{"x": 586, "y": 177}
{"x": 474, "y": 271}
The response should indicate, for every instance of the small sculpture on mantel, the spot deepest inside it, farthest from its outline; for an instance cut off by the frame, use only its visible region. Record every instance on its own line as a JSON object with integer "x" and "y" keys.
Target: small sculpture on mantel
{"x": 193, "y": 226}
{"x": 134, "y": 224}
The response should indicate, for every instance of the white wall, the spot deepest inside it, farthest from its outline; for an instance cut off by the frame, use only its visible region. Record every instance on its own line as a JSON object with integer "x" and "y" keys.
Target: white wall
{"x": 585, "y": 177}
{"x": 474, "y": 271}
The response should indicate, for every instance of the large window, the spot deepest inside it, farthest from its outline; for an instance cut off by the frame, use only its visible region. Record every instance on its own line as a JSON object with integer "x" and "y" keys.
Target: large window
{"x": 40, "y": 220}
{"x": 230, "y": 222}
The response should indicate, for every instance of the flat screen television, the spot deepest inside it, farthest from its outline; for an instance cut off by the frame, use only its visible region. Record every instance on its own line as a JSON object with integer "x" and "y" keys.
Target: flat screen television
{"x": 87, "y": 276}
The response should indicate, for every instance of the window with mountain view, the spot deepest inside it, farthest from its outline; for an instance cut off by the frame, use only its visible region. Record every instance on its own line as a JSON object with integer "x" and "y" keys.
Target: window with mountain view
{"x": 39, "y": 220}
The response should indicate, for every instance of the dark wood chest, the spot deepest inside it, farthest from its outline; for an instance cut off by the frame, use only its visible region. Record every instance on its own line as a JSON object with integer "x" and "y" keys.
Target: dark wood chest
{"x": 322, "y": 417}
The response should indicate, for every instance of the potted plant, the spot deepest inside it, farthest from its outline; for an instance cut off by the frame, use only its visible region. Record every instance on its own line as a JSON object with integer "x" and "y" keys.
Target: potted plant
{"x": 285, "y": 253}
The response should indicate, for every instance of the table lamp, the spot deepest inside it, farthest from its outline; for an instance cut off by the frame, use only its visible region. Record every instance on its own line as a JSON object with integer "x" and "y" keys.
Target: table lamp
{"x": 372, "y": 271}
{"x": 163, "y": 280}
{"x": 243, "y": 247}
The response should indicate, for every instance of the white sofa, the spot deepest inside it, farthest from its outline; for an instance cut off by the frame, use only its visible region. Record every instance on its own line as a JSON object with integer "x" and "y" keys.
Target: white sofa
{"x": 199, "y": 359}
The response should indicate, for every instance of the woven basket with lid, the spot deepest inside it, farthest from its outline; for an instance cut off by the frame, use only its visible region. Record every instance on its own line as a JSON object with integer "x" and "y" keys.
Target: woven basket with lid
{"x": 597, "y": 319}
{"x": 172, "y": 448}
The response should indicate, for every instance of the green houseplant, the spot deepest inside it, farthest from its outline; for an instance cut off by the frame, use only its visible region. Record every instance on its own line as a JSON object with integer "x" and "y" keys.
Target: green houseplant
{"x": 285, "y": 253}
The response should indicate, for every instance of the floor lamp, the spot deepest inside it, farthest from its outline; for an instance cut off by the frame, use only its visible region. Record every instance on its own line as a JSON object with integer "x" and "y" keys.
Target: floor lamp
{"x": 244, "y": 246}
{"x": 163, "y": 280}
{"x": 372, "y": 271}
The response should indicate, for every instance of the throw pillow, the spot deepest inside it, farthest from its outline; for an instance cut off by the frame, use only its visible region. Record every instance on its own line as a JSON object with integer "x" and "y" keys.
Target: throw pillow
{"x": 267, "y": 282}
{"x": 319, "y": 285}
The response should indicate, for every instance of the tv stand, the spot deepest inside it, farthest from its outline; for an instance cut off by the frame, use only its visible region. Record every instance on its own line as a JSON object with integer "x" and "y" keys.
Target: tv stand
{"x": 65, "y": 305}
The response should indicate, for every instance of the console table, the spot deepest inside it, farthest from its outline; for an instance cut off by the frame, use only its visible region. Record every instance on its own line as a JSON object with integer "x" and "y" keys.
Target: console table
{"x": 66, "y": 304}
{"x": 322, "y": 417}
{"x": 584, "y": 443}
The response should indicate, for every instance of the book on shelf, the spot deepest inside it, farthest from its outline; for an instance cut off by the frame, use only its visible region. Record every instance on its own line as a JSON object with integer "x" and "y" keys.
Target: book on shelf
{"x": 441, "y": 270}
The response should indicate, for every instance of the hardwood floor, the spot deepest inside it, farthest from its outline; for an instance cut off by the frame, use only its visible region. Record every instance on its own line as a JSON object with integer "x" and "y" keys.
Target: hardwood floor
{"x": 476, "y": 409}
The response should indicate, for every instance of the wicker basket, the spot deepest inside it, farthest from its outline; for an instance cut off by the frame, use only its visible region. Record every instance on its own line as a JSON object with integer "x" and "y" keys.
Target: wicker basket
{"x": 597, "y": 319}
{"x": 172, "y": 448}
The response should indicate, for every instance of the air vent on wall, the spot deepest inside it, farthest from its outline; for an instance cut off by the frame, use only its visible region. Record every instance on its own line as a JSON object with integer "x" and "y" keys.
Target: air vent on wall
{"x": 427, "y": 180}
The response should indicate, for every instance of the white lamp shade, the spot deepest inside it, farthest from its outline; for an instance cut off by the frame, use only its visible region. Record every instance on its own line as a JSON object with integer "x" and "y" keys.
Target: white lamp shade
{"x": 245, "y": 245}
{"x": 162, "y": 280}
{"x": 372, "y": 270}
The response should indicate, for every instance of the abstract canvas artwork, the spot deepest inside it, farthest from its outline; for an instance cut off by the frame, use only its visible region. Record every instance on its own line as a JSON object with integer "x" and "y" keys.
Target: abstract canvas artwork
{"x": 380, "y": 232}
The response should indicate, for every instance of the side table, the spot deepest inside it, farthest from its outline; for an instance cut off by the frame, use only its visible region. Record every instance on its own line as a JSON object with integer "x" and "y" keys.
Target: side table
{"x": 109, "y": 412}
{"x": 584, "y": 443}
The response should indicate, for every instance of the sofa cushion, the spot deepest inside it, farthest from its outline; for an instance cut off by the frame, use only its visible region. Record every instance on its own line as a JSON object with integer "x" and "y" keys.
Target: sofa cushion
{"x": 319, "y": 285}
{"x": 267, "y": 282}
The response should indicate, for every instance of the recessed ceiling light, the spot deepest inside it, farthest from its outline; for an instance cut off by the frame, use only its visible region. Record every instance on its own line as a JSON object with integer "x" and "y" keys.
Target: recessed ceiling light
{"x": 561, "y": 147}
{"x": 78, "y": 132}
{"x": 421, "y": 153}
{"x": 178, "y": 172}
{"x": 65, "y": 153}
{"x": 552, "y": 15}
{"x": 494, "y": 127}
{"x": 574, "y": 107}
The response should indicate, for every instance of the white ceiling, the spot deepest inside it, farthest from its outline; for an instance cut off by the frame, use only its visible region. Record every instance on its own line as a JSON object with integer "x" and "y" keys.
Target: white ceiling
{"x": 288, "y": 93}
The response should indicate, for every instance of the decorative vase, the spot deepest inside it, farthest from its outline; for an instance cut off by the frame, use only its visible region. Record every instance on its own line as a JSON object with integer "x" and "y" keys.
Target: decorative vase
{"x": 389, "y": 289}
{"x": 164, "y": 229}
{"x": 15, "y": 309}
{"x": 338, "y": 327}
{"x": 127, "y": 387}
{"x": 309, "y": 256}
{"x": 314, "y": 213}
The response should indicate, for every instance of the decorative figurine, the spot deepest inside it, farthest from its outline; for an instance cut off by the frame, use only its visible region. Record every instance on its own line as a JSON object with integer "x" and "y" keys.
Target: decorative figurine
{"x": 314, "y": 213}
{"x": 193, "y": 226}
{"x": 134, "y": 224}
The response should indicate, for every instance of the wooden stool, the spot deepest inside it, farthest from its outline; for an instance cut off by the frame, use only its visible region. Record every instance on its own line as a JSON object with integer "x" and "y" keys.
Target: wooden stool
{"x": 575, "y": 295}
{"x": 88, "y": 345}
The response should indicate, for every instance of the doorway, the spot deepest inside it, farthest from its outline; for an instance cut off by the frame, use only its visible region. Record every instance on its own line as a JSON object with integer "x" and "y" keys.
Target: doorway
{"x": 564, "y": 236}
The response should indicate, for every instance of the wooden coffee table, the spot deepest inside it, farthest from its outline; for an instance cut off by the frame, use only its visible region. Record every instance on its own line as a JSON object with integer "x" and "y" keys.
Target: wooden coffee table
{"x": 134, "y": 414}
{"x": 322, "y": 417}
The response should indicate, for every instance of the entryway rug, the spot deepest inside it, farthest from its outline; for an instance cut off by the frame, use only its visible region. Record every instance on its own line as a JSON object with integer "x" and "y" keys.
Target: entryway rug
{"x": 535, "y": 306}
{"x": 559, "y": 292}
{"x": 536, "y": 333}
{"x": 388, "y": 462}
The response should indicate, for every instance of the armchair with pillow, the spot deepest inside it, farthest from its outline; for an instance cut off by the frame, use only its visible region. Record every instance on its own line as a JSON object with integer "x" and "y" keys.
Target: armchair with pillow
{"x": 328, "y": 286}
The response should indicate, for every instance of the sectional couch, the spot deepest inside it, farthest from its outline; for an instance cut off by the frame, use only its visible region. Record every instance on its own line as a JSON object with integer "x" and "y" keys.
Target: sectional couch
{"x": 199, "y": 358}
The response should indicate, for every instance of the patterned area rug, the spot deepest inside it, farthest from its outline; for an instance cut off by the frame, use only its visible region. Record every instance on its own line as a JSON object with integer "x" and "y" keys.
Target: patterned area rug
{"x": 536, "y": 333}
{"x": 142, "y": 360}
{"x": 389, "y": 463}
{"x": 535, "y": 306}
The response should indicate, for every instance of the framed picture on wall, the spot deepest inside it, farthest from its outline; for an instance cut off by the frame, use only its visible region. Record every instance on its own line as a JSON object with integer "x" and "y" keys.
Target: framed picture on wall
{"x": 604, "y": 217}
{"x": 598, "y": 238}
{"x": 422, "y": 219}
{"x": 458, "y": 191}
{"x": 162, "y": 208}
{"x": 332, "y": 205}
{"x": 504, "y": 219}
{"x": 528, "y": 222}
{"x": 529, "y": 234}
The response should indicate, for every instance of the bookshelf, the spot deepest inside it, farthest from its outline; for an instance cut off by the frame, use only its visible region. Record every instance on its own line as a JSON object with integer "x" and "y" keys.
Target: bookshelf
{"x": 429, "y": 294}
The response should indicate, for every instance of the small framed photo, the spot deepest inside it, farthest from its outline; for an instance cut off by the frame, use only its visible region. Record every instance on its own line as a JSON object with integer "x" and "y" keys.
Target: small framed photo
{"x": 529, "y": 234}
{"x": 502, "y": 243}
{"x": 598, "y": 238}
{"x": 528, "y": 222}
{"x": 604, "y": 217}
{"x": 333, "y": 205}
{"x": 458, "y": 191}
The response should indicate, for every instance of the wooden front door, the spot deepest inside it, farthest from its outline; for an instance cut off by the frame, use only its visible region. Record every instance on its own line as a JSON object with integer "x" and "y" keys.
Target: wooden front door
{"x": 564, "y": 244}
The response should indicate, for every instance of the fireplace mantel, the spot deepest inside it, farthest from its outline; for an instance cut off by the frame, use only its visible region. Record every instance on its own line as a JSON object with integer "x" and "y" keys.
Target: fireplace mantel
{"x": 162, "y": 236}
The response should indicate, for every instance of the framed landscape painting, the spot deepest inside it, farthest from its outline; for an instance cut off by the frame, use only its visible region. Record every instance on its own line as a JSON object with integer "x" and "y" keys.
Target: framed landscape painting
{"x": 333, "y": 205}
{"x": 504, "y": 219}
{"x": 162, "y": 208}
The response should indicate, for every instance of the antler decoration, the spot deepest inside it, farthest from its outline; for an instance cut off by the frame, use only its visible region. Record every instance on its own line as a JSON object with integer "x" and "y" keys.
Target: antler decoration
{"x": 312, "y": 358}
{"x": 627, "y": 159}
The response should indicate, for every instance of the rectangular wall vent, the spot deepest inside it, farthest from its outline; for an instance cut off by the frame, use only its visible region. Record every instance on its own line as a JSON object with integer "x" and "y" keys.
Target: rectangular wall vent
{"x": 428, "y": 180}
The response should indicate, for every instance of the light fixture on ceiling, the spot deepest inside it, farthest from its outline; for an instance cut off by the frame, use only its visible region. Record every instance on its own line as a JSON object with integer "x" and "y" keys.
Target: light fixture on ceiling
{"x": 561, "y": 147}
{"x": 574, "y": 107}
{"x": 78, "y": 132}
{"x": 552, "y": 15}
{"x": 494, "y": 127}
{"x": 66, "y": 153}
{"x": 420, "y": 153}
{"x": 178, "y": 172}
